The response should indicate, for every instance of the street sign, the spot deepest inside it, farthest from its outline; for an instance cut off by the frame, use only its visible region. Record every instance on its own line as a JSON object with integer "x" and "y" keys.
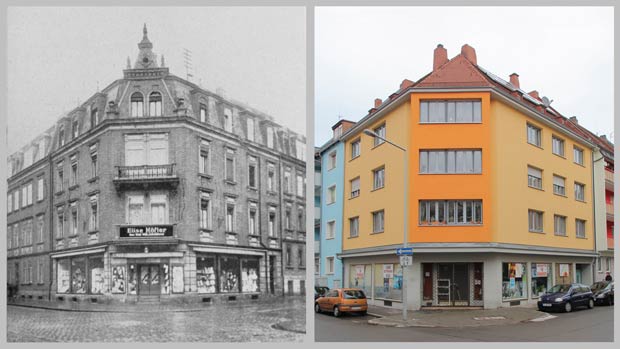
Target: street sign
{"x": 404, "y": 251}
{"x": 406, "y": 261}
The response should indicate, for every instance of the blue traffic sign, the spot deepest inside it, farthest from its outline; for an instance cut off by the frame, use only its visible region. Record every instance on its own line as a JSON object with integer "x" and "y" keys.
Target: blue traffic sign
{"x": 404, "y": 251}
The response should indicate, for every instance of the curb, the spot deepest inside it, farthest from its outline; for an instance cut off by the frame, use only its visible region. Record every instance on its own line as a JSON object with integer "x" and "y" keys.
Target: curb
{"x": 37, "y": 306}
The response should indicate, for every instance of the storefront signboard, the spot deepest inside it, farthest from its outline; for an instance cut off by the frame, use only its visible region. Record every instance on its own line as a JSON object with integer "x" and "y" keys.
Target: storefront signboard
{"x": 542, "y": 270}
{"x": 145, "y": 231}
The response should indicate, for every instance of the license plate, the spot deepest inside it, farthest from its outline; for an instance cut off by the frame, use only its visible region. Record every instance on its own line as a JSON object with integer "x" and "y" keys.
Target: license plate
{"x": 356, "y": 308}
{"x": 546, "y": 304}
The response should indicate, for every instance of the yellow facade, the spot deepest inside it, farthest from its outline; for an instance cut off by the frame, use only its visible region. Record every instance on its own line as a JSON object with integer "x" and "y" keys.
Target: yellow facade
{"x": 390, "y": 197}
{"x": 511, "y": 155}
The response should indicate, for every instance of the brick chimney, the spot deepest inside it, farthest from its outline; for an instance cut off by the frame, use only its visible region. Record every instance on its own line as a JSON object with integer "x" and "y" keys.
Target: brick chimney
{"x": 469, "y": 53}
{"x": 406, "y": 84}
{"x": 574, "y": 120}
{"x": 514, "y": 80}
{"x": 440, "y": 57}
{"x": 378, "y": 102}
{"x": 534, "y": 94}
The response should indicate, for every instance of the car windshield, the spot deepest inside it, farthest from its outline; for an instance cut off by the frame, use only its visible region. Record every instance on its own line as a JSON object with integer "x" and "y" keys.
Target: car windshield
{"x": 559, "y": 288}
{"x": 598, "y": 286}
{"x": 353, "y": 294}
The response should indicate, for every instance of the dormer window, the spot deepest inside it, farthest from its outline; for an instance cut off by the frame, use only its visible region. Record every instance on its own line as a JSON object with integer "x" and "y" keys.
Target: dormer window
{"x": 61, "y": 136}
{"x": 155, "y": 104}
{"x": 94, "y": 117}
{"x": 75, "y": 128}
{"x": 228, "y": 124}
{"x": 137, "y": 105}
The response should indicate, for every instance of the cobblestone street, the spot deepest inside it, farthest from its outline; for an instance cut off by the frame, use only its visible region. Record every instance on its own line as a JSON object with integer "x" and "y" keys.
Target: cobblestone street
{"x": 279, "y": 320}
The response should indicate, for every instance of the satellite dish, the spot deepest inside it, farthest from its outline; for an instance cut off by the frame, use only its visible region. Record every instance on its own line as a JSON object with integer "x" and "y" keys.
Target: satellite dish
{"x": 546, "y": 102}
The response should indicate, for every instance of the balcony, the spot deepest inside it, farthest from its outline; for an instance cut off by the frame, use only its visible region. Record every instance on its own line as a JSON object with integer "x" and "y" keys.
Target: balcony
{"x": 317, "y": 247}
{"x": 610, "y": 243}
{"x": 609, "y": 180}
{"x": 609, "y": 209}
{"x": 146, "y": 177}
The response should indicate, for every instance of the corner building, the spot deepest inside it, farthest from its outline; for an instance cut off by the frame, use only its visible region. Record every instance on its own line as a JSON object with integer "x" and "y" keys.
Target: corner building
{"x": 500, "y": 192}
{"x": 155, "y": 188}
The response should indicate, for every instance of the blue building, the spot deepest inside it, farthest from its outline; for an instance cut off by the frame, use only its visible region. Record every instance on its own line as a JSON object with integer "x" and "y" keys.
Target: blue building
{"x": 332, "y": 195}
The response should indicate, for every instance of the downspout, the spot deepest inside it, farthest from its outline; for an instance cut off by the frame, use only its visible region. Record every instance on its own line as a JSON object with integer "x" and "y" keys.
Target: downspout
{"x": 281, "y": 191}
{"x": 594, "y": 213}
{"x": 51, "y": 221}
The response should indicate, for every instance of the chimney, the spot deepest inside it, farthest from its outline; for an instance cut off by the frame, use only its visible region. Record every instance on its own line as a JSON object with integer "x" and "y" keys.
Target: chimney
{"x": 574, "y": 120}
{"x": 604, "y": 137}
{"x": 469, "y": 53}
{"x": 406, "y": 84}
{"x": 534, "y": 94}
{"x": 514, "y": 80}
{"x": 378, "y": 102}
{"x": 440, "y": 57}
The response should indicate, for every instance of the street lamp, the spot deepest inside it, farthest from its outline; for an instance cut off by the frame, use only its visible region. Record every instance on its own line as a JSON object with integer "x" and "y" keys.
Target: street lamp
{"x": 405, "y": 205}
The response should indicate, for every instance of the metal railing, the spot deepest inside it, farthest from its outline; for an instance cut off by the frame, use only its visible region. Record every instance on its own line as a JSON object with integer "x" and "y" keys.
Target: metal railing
{"x": 145, "y": 171}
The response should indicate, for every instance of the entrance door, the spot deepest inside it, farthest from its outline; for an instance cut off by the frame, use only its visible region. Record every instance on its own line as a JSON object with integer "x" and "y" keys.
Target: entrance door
{"x": 149, "y": 280}
{"x": 453, "y": 284}
{"x": 578, "y": 274}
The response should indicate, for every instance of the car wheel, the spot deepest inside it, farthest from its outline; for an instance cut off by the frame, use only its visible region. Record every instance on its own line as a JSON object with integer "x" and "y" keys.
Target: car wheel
{"x": 610, "y": 300}
{"x": 337, "y": 312}
{"x": 568, "y": 307}
{"x": 364, "y": 313}
{"x": 591, "y": 303}
{"x": 317, "y": 308}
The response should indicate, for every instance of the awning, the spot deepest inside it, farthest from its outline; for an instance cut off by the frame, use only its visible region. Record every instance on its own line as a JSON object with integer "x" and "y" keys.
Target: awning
{"x": 79, "y": 252}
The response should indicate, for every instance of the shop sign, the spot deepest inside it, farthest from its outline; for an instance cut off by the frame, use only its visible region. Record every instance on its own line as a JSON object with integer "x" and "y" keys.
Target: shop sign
{"x": 359, "y": 271}
{"x": 388, "y": 271}
{"x": 542, "y": 270}
{"x": 145, "y": 231}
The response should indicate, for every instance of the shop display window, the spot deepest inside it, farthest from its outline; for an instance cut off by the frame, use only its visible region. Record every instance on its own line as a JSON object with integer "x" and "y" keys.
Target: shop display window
{"x": 541, "y": 279}
{"x": 205, "y": 274}
{"x": 514, "y": 281}
{"x": 361, "y": 277}
{"x": 96, "y": 275}
{"x": 229, "y": 274}
{"x": 118, "y": 279}
{"x": 388, "y": 281}
{"x": 78, "y": 275}
{"x": 564, "y": 273}
{"x": 64, "y": 276}
{"x": 249, "y": 275}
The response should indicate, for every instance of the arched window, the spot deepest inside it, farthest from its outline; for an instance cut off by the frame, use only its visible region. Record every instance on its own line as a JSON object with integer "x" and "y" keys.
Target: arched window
{"x": 137, "y": 104}
{"x": 155, "y": 104}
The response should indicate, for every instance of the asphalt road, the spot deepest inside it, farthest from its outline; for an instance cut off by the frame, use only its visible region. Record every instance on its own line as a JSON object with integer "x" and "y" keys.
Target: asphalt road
{"x": 585, "y": 325}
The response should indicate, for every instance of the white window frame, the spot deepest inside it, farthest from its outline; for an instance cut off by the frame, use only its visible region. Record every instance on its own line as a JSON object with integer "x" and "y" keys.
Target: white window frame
{"x": 376, "y": 229}
{"x": 331, "y": 195}
{"x": 73, "y": 180}
{"x": 330, "y": 230}
{"x": 93, "y": 220}
{"x": 253, "y": 224}
{"x": 356, "y": 148}
{"x": 538, "y": 141}
{"x": 332, "y": 160}
{"x": 9, "y": 203}
{"x": 60, "y": 222}
{"x": 230, "y": 155}
{"x": 300, "y": 185}
{"x": 532, "y": 214}
{"x": 578, "y": 159}
{"x": 534, "y": 176}
{"x": 205, "y": 219}
{"x": 557, "y": 188}
{"x": 204, "y": 165}
{"x": 40, "y": 228}
{"x": 230, "y": 219}
{"x": 228, "y": 120}
{"x": 40, "y": 189}
{"x": 330, "y": 265}
{"x": 557, "y": 227}
{"x": 582, "y": 188}
{"x": 381, "y": 132}
{"x": 272, "y": 226}
{"x": 354, "y": 227}
{"x": 557, "y": 145}
{"x": 250, "y": 129}
{"x": 378, "y": 182}
{"x": 581, "y": 234}
{"x": 355, "y": 187}
{"x": 74, "y": 223}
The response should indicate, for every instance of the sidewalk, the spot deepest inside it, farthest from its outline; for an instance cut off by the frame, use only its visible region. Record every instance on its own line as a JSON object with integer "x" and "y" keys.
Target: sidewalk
{"x": 455, "y": 318}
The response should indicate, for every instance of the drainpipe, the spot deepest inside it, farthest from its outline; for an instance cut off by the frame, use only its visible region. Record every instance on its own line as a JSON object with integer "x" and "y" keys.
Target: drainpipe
{"x": 51, "y": 221}
{"x": 281, "y": 196}
{"x": 594, "y": 211}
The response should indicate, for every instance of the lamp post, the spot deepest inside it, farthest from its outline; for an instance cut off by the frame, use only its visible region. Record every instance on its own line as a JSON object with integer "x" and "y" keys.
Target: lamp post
{"x": 405, "y": 208}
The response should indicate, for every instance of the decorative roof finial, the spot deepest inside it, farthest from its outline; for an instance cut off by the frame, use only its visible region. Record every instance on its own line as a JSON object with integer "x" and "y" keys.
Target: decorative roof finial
{"x": 144, "y": 30}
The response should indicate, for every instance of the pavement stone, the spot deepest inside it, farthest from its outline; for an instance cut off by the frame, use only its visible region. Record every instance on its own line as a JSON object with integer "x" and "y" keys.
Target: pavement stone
{"x": 277, "y": 320}
{"x": 456, "y": 318}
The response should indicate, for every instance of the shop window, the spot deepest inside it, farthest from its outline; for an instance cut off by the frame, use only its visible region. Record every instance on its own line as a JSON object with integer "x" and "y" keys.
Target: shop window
{"x": 388, "y": 281}
{"x": 155, "y": 104}
{"x": 96, "y": 275}
{"x": 229, "y": 274}
{"x": 78, "y": 275}
{"x": 563, "y": 273}
{"x": 249, "y": 275}
{"x": 63, "y": 280}
{"x": 361, "y": 277}
{"x": 178, "y": 284}
{"x": 514, "y": 281}
{"x": 541, "y": 279}
{"x": 118, "y": 278}
{"x": 205, "y": 274}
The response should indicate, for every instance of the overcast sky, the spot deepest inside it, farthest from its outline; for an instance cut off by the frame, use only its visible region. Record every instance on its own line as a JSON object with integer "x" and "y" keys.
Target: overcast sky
{"x": 257, "y": 55}
{"x": 565, "y": 53}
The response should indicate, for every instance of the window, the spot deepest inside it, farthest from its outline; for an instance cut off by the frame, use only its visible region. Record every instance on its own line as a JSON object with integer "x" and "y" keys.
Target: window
{"x": 60, "y": 177}
{"x": 287, "y": 218}
{"x": 27, "y": 231}
{"x": 94, "y": 168}
{"x": 558, "y": 185}
{"x": 137, "y": 105}
{"x": 146, "y": 149}
{"x": 450, "y": 111}
{"x": 578, "y": 156}
{"x": 16, "y": 200}
{"x": 269, "y": 137}
{"x": 378, "y": 219}
{"x": 541, "y": 278}
{"x": 355, "y": 149}
{"x": 250, "y": 124}
{"x": 300, "y": 149}
{"x": 155, "y": 104}
{"x": 331, "y": 161}
{"x": 158, "y": 206}
{"x": 271, "y": 177}
{"x": 252, "y": 172}
{"x": 355, "y": 187}
{"x": 287, "y": 180}
{"x": 203, "y": 113}
{"x": 380, "y": 131}
{"x": 74, "y": 170}
{"x": 228, "y": 122}
{"x": 533, "y": 135}
{"x": 9, "y": 237}
{"x": 354, "y": 226}
{"x": 61, "y": 136}
{"x": 534, "y": 177}
{"x": 288, "y": 257}
{"x": 272, "y": 222}
{"x": 301, "y": 219}
{"x": 378, "y": 176}
{"x": 151, "y": 208}
{"x": 329, "y": 265}
{"x": 40, "y": 228}
{"x": 300, "y": 185}
{"x": 94, "y": 117}
{"x": 557, "y": 146}
{"x": 388, "y": 281}
{"x": 331, "y": 194}
{"x": 580, "y": 228}
{"x": 559, "y": 225}
{"x": 607, "y": 263}
{"x": 330, "y": 232}
{"x": 40, "y": 189}
{"x": 230, "y": 165}
{"x": 253, "y": 219}
{"x": 204, "y": 166}
{"x": 40, "y": 271}
{"x": 450, "y": 161}
{"x": 93, "y": 222}
{"x": 535, "y": 221}
{"x": 302, "y": 256}
{"x": 60, "y": 222}
{"x": 75, "y": 128}
{"x": 230, "y": 217}
{"x": 29, "y": 195}
{"x": 9, "y": 202}
{"x": 338, "y": 131}
{"x": 205, "y": 210}
{"x": 599, "y": 265}
{"x": 450, "y": 212}
{"x": 73, "y": 227}
{"x": 514, "y": 281}
{"x": 580, "y": 190}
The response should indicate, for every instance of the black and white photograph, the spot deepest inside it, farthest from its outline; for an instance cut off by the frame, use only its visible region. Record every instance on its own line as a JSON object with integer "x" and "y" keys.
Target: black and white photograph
{"x": 156, "y": 185}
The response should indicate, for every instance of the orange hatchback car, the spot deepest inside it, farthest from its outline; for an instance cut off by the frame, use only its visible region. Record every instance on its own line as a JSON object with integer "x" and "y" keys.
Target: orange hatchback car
{"x": 342, "y": 300}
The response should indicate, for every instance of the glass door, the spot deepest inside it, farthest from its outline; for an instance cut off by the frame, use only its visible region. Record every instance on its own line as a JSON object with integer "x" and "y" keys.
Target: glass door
{"x": 149, "y": 280}
{"x": 453, "y": 284}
